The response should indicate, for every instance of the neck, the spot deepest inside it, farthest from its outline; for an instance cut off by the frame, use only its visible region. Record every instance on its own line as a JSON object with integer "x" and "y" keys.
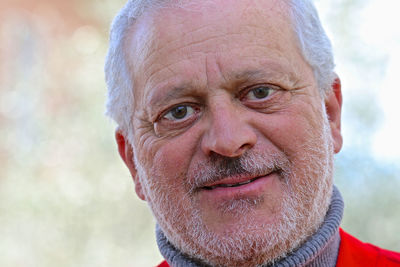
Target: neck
{"x": 321, "y": 249}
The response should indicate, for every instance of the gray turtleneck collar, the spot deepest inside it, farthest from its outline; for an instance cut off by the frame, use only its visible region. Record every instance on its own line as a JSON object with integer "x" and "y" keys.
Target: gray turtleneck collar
{"x": 321, "y": 249}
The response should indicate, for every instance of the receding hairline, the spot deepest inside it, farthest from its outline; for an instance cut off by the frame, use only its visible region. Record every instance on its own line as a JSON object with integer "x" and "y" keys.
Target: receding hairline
{"x": 135, "y": 30}
{"x": 303, "y": 18}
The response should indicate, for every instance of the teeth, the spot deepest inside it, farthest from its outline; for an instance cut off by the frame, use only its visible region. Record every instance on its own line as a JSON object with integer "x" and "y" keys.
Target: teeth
{"x": 244, "y": 182}
{"x": 230, "y": 185}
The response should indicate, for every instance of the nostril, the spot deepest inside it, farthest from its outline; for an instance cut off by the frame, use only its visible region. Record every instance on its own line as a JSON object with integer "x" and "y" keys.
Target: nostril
{"x": 228, "y": 148}
{"x": 245, "y": 147}
{"x": 229, "y": 134}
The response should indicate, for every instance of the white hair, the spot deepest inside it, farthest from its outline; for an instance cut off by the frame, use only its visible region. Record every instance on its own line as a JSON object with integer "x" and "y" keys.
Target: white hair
{"x": 312, "y": 41}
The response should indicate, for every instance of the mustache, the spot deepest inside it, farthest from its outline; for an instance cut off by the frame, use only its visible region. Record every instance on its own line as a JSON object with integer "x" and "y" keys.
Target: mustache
{"x": 253, "y": 164}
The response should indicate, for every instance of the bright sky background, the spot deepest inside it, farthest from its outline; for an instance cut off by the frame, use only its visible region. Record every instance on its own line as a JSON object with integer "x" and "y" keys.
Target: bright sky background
{"x": 66, "y": 199}
{"x": 376, "y": 28}
{"x": 380, "y": 29}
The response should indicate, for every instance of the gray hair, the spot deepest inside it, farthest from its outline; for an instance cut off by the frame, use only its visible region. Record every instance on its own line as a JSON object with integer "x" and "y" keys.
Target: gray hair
{"x": 312, "y": 41}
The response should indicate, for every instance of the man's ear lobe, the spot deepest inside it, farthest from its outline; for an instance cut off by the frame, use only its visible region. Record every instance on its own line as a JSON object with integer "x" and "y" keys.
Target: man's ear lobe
{"x": 126, "y": 152}
{"x": 333, "y": 104}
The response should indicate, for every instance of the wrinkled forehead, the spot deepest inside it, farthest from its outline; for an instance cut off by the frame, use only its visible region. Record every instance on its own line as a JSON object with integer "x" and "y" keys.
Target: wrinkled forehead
{"x": 211, "y": 11}
{"x": 162, "y": 33}
{"x": 189, "y": 20}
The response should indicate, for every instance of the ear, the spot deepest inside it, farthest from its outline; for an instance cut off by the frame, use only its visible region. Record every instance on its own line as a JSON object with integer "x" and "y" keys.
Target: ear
{"x": 126, "y": 152}
{"x": 333, "y": 104}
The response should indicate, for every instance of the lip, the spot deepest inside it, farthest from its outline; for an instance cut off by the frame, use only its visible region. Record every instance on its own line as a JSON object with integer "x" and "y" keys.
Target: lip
{"x": 231, "y": 182}
{"x": 256, "y": 186}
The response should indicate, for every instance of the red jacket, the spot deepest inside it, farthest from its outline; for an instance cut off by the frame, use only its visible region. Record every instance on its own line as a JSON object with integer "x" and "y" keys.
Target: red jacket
{"x": 354, "y": 253}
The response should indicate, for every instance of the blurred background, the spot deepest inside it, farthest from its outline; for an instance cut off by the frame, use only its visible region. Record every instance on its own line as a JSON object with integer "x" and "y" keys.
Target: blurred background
{"x": 66, "y": 199}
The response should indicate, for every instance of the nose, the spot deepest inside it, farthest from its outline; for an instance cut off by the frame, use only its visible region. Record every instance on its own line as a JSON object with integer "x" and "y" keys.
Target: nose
{"x": 229, "y": 133}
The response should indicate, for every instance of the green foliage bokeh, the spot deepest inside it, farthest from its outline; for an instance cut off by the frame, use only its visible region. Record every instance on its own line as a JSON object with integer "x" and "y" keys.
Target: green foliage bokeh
{"x": 65, "y": 197}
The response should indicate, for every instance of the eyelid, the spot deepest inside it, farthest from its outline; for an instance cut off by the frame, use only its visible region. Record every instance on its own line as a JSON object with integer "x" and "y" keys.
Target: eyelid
{"x": 164, "y": 126}
{"x": 169, "y": 109}
{"x": 247, "y": 90}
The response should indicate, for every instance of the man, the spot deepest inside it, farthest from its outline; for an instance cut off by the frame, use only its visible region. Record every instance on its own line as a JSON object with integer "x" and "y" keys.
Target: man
{"x": 228, "y": 117}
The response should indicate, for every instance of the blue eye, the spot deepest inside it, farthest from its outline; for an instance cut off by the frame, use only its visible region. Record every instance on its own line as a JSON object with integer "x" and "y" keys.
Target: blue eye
{"x": 259, "y": 93}
{"x": 179, "y": 112}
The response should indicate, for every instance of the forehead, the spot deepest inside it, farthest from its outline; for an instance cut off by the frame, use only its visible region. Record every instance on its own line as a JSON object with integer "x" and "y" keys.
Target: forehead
{"x": 196, "y": 21}
{"x": 173, "y": 41}
{"x": 224, "y": 15}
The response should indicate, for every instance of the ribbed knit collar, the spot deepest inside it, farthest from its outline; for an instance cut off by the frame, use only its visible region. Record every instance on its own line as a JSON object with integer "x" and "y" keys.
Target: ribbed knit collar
{"x": 321, "y": 249}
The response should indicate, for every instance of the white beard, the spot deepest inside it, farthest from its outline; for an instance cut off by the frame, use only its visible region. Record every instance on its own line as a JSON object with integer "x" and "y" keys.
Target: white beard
{"x": 301, "y": 211}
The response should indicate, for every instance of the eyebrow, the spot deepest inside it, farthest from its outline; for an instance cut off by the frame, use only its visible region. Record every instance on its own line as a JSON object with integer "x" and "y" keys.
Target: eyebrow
{"x": 233, "y": 81}
{"x": 175, "y": 92}
{"x": 249, "y": 74}
{"x": 276, "y": 74}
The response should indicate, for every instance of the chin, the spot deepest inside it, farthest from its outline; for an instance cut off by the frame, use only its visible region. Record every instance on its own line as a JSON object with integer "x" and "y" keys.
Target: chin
{"x": 249, "y": 231}
{"x": 253, "y": 239}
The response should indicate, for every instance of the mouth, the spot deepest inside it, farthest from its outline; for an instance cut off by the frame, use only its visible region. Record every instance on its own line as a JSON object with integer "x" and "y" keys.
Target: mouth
{"x": 227, "y": 184}
{"x": 238, "y": 186}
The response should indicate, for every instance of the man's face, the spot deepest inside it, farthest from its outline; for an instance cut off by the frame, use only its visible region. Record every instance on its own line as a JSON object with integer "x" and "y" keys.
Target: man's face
{"x": 232, "y": 146}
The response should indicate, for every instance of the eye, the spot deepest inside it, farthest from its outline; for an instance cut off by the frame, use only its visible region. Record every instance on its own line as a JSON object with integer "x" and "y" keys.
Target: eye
{"x": 179, "y": 113}
{"x": 260, "y": 92}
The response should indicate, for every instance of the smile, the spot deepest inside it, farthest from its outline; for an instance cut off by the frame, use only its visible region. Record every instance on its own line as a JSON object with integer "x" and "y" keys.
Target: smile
{"x": 234, "y": 187}
{"x": 230, "y": 185}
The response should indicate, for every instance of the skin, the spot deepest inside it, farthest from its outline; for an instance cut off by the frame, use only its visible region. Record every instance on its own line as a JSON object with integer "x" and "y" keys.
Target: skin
{"x": 209, "y": 59}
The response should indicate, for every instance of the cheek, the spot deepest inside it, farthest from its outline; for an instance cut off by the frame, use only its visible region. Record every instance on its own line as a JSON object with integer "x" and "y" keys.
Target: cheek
{"x": 172, "y": 158}
{"x": 288, "y": 131}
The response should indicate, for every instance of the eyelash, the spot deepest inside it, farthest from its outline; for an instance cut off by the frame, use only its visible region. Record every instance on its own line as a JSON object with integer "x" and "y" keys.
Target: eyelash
{"x": 186, "y": 112}
{"x": 272, "y": 89}
{"x": 195, "y": 109}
